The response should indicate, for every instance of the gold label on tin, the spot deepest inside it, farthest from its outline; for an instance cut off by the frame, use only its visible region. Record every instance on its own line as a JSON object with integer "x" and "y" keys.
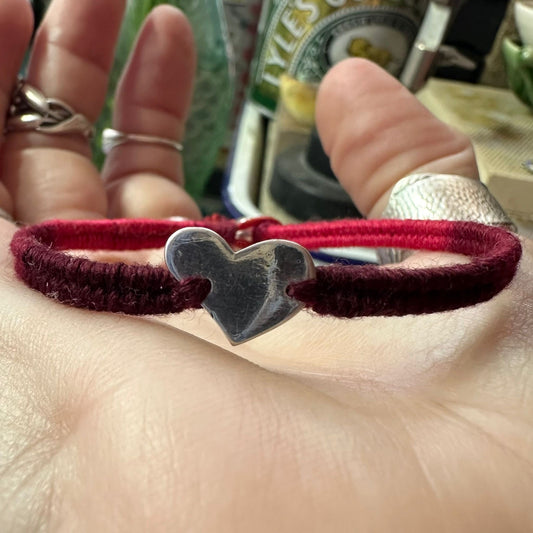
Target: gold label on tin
{"x": 304, "y": 38}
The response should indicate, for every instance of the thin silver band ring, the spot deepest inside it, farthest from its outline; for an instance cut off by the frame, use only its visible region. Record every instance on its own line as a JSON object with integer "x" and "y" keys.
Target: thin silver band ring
{"x": 112, "y": 138}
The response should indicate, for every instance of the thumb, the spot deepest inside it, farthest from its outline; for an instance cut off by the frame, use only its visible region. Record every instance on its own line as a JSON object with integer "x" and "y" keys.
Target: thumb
{"x": 376, "y": 132}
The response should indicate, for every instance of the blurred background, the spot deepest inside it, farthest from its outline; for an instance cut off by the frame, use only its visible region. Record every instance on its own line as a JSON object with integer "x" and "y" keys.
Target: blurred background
{"x": 251, "y": 147}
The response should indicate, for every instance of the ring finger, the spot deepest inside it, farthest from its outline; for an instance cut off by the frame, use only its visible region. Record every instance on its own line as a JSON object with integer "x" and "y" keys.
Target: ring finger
{"x": 153, "y": 98}
{"x": 52, "y": 175}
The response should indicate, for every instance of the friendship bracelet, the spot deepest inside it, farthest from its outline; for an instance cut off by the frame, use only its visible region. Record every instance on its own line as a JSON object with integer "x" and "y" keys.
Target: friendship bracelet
{"x": 252, "y": 290}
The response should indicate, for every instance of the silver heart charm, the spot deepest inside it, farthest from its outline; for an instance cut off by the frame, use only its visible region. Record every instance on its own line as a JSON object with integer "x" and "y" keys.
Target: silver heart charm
{"x": 248, "y": 288}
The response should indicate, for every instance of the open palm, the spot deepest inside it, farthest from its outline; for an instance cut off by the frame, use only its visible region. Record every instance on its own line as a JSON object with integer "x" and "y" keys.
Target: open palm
{"x": 117, "y": 423}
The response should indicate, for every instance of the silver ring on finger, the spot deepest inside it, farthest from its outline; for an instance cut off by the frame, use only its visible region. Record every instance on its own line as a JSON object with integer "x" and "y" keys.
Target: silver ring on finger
{"x": 112, "y": 138}
{"x": 441, "y": 197}
{"x": 31, "y": 110}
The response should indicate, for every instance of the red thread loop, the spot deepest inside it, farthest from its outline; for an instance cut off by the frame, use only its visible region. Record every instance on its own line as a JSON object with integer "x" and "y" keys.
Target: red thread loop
{"x": 247, "y": 229}
{"x": 338, "y": 290}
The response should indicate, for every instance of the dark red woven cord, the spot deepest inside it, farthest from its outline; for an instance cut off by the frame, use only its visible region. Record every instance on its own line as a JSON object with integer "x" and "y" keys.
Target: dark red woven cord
{"x": 343, "y": 291}
{"x": 349, "y": 291}
{"x": 115, "y": 287}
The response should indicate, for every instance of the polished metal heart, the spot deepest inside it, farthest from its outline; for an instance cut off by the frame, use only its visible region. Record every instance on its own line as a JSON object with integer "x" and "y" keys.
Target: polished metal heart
{"x": 248, "y": 288}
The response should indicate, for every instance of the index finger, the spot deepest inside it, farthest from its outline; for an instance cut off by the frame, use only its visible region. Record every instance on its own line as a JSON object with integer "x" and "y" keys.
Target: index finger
{"x": 16, "y": 23}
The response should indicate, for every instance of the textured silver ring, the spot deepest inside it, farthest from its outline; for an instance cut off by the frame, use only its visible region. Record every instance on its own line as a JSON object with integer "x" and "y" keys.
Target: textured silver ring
{"x": 113, "y": 138}
{"x": 441, "y": 197}
{"x": 31, "y": 110}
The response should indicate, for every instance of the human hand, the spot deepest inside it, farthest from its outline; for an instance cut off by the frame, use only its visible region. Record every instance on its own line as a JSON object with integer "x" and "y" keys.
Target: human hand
{"x": 71, "y": 59}
{"x": 118, "y": 423}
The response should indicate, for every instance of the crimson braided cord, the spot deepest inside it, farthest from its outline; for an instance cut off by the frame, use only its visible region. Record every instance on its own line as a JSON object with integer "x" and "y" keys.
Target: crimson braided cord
{"x": 339, "y": 290}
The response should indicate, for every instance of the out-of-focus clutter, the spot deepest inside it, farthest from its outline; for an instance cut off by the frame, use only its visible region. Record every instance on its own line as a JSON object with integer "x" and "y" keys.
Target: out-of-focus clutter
{"x": 450, "y": 43}
{"x": 304, "y": 39}
{"x": 298, "y": 43}
{"x": 242, "y": 20}
{"x": 523, "y": 13}
{"x": 251, "y": 147}
{"x": 518, "y": 53}
{"x": 501, "y": 128}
